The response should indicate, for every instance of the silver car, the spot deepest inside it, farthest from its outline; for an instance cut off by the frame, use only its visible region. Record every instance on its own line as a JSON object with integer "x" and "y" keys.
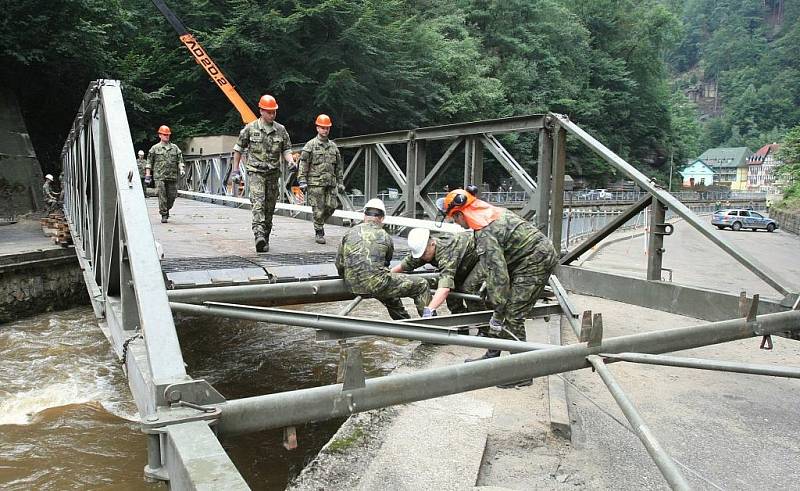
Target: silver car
{"x": 738, "y": 219}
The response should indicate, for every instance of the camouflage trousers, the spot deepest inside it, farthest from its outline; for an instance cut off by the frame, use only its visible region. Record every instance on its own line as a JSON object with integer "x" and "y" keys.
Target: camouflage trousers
{"x": 323, "y": 201}
{"x": 526, "y": 288}
{"x": 263, "y": 195}
{"x": 391, "y": 287}
{"x": 470, "y": 284}
{"x": 167, "y": 192}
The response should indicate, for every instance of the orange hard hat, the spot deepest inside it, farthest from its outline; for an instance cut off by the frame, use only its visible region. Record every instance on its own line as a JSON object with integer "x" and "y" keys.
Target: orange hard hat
{"x": 457, "y": 200}
{"x": 164, "y": 130}
{"x": 324, "y": 120}
{"x": 268, "y": 102}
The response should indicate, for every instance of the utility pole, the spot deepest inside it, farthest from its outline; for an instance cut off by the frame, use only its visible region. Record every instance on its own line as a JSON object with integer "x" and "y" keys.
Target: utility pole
{"x": 670, "y": 171}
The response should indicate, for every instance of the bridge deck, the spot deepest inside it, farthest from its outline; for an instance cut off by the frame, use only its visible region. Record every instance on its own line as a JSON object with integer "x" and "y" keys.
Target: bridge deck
{"x": 205, "y": 244}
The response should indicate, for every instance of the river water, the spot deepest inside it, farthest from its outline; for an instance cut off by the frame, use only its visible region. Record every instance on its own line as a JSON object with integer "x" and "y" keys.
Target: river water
{"x": 67, "y": 419}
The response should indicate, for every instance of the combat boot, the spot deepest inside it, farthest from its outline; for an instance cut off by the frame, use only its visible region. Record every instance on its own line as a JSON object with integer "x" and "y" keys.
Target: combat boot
{"x": 164, "y": 218}
{"x": 261, "y": 244}
{"x": 490, "y": 353}
{"x": 320, "y": 237}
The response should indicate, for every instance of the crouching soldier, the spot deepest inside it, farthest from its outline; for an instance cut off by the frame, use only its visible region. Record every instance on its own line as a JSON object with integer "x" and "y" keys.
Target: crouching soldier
{"x": 363, "y": 259}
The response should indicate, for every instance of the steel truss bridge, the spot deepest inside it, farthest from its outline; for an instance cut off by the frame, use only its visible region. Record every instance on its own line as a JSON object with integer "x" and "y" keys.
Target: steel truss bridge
{"x": 182, "y": 417}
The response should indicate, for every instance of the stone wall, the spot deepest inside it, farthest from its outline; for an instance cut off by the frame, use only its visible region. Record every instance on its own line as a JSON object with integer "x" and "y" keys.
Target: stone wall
{"x": 42, "y": 281}
{"x": 787, "y": 220}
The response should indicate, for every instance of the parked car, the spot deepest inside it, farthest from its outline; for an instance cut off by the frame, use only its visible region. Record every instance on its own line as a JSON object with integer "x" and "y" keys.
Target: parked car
{"x": 604, "y": 194}
{"x": 738, "y": 219}
{"x": 593, "y": 194}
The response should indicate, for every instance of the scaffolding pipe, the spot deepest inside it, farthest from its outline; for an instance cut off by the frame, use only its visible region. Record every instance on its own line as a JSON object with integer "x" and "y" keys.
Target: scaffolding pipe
{"x": 350, "y": 306}
{"x": 660, "y": 456}
{"x": 362, "y": 327}
{"x": 327, "y": 402}
{"x": 722, "y": 366}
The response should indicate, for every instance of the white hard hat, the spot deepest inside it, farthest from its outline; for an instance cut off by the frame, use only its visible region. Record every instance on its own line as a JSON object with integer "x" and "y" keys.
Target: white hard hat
{"x": 418, "y": 241}
{"x": 377, "y": 204}
{"x": 141, "y": 152}
{"x": 440, "y": 205}
{"x": 49, "y": 176}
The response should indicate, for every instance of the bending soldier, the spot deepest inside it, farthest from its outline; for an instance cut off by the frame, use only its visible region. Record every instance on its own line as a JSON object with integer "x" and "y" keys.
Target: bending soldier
{"x": 164, "y": 162}
{"x": 50, "y": 196}
{"x": 458, "y": 265}
{"x": 517, "y": 257}
{"x": 320, "y": 175}
{"x": 363, "y": 259}
{"x": 266, "y": 141}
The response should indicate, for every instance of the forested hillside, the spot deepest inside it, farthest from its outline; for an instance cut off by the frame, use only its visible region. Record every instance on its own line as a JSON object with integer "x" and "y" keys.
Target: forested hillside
{"x": 619, "y": 68}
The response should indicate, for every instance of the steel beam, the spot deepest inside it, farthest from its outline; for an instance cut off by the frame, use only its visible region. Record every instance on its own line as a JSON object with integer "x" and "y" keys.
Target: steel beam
{"x": 668, "y": 297}
{"x": 557, "y": 192}
{"x": 545, "y": 168}
{"x": 701, "y": 364}
{"x": 665, "y": 463}
{"x": 604, "y": 232}
{"x": 328, "y": 402}
{"x": 751, "y": 263}
{"x": 428, "y": 333}
{"x": 655, "y": 239}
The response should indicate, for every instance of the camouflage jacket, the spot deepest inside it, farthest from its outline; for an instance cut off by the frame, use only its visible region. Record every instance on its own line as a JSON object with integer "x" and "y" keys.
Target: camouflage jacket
{"x": 363, "y": 258}
{"x": 164, "y": 161}
{"x": 47, "y": 191}
{"x": 321, "y": 163}
{"x": 455, "y": 257}
{"x": 141, "y": 163}
{"x": 511, "y": 248}
{"x": 265, "y": 144}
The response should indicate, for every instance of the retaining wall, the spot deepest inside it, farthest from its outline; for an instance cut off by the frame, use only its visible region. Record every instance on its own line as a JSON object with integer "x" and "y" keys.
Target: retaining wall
{"x": 788, "y": 221}
{"x": 40, "y": 281}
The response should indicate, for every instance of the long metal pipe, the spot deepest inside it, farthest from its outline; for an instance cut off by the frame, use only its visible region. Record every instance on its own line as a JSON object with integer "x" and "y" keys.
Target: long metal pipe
{"x": 428, "y": 333}
{"x": 662, "y": 459}
{"x": 327, "y": 402}
{"x": 722, "y": 366}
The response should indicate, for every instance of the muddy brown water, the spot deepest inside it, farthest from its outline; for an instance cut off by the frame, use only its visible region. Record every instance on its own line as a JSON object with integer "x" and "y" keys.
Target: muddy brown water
{"x": 67, "y": 419}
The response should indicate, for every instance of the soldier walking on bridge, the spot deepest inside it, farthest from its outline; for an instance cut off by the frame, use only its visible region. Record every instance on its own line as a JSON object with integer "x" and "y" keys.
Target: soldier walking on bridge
{"x": 266, "y": 141}
{"x": 363, "y": 259}
{"x": 164, "y": 162}
{"x": 455, "y": 257}
{"x": 141, "y": 164}
{"x": 321, "y": 175}
{"x": 516, "y": 256}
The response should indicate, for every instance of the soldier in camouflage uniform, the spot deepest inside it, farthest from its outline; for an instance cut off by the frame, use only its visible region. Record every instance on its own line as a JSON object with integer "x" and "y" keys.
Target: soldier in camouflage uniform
{"x": 320, "y": 175}
{"x": 266, "y": 141}
{"x": 141, "y": 164}
{"x": 457, "y": 262}
{"x": 50, "y": 196}
{"x": 164, "y": 161}
{"x": 516, "y": 256}
{"x": 363, "y": 260}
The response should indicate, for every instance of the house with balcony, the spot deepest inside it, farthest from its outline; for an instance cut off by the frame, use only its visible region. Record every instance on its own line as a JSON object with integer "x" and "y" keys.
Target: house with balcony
{"x": 761, "y": 168}
{"x": 729, "y": 165}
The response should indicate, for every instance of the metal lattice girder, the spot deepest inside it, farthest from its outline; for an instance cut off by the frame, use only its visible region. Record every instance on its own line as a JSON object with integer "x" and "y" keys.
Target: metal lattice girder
{"x": 328, "y": 402}
{"x": 391, "y": 165}
{"x": 604, "y": 232}
{"x": 751, "y": 263}
{"x": 510, "y": 164}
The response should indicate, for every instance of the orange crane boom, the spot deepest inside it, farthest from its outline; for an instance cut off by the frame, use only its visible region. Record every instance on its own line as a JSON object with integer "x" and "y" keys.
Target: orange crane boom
{"x": 204, "y": 60}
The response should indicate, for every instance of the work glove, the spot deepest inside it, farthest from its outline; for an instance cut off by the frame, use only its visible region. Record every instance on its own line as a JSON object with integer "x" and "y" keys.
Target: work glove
{"x": 183, "y": 173}
{"x": 495, "y": 326}
{"x": 236, "y": 177}
{"x": 428, "y": 312}
{"x": 302, "y": 185}
{"x": 340, "y": 187}
{"x": 148, "y": 180}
